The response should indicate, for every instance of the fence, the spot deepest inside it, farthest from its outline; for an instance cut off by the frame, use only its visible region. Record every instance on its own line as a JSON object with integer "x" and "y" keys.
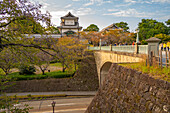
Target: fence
{"x": 160, "y": 60}
{"x": 142, "y": 49}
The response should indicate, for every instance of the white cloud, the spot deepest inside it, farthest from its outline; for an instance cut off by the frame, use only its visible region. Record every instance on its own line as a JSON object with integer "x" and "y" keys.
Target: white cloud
{"x": 130, "y": 1}
{"x": 112, "y": 10}
{"x": 84, "y": 11}
{"x": 88, "y": 4}
{"x": 161, "y": 1}
{"x": 98, "y": 2}
{"x": 68, "y": 6}
{"x": 129, "y": 13}
{"x": 75, "y": 0}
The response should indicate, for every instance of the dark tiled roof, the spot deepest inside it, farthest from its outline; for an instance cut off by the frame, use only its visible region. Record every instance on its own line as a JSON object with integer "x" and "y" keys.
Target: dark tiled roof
{"x": 153, "y": 39}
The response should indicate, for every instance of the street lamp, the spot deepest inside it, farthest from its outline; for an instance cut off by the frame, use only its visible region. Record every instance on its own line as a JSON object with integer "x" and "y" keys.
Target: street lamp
{"x": 137, "y": 42}
{"x": 137, "y": 38}
{"x": 53, "y": 105}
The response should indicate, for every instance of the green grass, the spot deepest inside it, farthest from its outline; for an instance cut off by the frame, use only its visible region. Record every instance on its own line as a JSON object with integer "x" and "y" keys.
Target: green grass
{"x": 153, "y": 71}
{"x": 56, "y": 64}
{"x": 16, "y": 76}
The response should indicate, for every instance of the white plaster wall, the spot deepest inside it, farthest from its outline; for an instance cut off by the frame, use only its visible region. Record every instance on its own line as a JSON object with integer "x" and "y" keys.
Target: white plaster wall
{"x": 65, "y": 30}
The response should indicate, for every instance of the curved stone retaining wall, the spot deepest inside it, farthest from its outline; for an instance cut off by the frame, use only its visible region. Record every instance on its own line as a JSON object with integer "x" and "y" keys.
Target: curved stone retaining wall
{"x": 129, "y": 91}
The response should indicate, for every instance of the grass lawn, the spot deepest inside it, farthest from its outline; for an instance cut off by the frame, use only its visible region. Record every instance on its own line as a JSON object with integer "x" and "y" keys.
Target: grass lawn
{"x": 56, "y": 64}
{"x": 16, "y": 76}
{"x": 155, "y": 72}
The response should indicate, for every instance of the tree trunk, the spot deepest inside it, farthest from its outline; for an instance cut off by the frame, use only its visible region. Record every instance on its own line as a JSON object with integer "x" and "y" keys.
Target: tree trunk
{"x": 43, "y": 72}
{"x": 75, "y": 66}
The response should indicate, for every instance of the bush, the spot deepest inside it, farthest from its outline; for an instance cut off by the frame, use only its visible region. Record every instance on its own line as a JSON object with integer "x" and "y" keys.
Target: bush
{"x": 26, "y": 69}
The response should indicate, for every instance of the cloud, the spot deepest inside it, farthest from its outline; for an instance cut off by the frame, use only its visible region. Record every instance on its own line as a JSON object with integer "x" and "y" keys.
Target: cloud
{"x": 84, "y": 11}
{"x": 129, "y": 13}
{"x": 75, "y": 0}
{"x": 98, "y": 2}
{"x": 112, "y": 10}
{"x": 88, "y": 4}
{"x": 161, "y": 1}
{"x": 130, "y": 1}
{"x": 68, "y": 6}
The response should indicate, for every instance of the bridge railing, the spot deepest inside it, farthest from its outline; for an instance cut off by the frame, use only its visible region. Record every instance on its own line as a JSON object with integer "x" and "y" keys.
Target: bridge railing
{"x": 142, "y": 49}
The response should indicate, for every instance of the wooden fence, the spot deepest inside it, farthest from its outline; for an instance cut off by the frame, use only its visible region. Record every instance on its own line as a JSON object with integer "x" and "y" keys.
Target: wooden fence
{"x": 162, "y": 59}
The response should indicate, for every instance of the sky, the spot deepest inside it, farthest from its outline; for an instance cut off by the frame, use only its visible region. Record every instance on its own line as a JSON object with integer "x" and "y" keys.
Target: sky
{"x": 106, "y": 12}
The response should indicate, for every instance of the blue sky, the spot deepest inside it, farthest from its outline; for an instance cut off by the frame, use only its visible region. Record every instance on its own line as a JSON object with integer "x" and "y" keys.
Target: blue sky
{"x": 106, "y": 12}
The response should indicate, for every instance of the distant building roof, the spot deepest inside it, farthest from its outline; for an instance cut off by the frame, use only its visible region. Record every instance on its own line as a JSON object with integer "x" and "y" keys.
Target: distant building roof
{"x": 110, "y": 27}
{"x": 69, "y": 16}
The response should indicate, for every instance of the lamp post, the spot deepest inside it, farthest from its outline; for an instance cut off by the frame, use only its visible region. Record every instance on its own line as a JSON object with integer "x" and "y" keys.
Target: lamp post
{"x": 137, "y": 42}
{"x": 137, "y": 38}
{"x": 53, "y": 105}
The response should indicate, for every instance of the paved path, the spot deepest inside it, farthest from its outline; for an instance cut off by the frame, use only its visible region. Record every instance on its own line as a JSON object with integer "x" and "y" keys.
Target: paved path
{"x": 68, "y": 93}
{"x": 63, "y": 105}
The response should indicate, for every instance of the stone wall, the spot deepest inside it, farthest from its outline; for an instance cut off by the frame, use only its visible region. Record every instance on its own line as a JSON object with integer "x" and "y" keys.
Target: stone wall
{"x": 128, "y": 91}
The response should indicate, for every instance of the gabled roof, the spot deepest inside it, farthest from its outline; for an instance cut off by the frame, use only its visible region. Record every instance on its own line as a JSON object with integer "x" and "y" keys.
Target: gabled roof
{"x": 112, "y": 26}
{"x": 69, "y": 15}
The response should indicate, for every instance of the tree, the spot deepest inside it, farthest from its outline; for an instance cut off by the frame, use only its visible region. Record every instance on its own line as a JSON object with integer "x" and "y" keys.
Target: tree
{"x": 92, "y": 27}
{"x": 7, "y": 60}
{"x": 163, "y": 37}
{"x": 167, "y": 22}
{"x": 15, "y": 14}
{"x": 69, "y": 51}
{"x": 149, "y": 28}
{"x": 123, "y": 25}
{"x": 42, "y": 60}
{"x": 92, "y": 37}
{"x": 52, "y": 30}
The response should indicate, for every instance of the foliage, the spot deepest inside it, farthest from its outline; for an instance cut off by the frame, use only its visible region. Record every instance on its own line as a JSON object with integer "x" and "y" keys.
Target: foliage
{"x": 7, "y": 60}
{"x": 26, "y": 69}
{"x": 42, "y": 60}
{"x": 155, "y": 72}
{"x": 17, "y": 17}
{"x": 149, "y": 28}
{"x": 92, "y": 27}
{"x": 123, "y": 25}
{"x": 52, "y": 30}
{"x": 163, "y": 37}
{"x": 58, "y": 74}
{"x": 118, "y": 36}
{"x": 69, "y": 50}
{"x": 92, "y": 37}
{"x": 168, "y": 22}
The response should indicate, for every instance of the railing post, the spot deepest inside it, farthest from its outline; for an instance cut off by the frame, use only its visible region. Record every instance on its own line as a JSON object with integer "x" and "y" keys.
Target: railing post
{"x": 136, "y": 48}
{"x": 161, "y": 58}
{"x": 169, "y": 58}
{"x": 166, "y": 58}
{"x": 110, "y": 47}
{"x": 153, "y": 45}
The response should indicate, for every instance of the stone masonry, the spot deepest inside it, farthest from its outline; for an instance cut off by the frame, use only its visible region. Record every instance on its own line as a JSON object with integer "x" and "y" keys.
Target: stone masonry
{"x": 129, "y": 91}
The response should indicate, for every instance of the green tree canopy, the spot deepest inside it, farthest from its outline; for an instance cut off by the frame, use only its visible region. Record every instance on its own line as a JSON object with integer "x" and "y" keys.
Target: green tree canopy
{"x": 92, "y": 27}
{"x": 14, "y": 15}
{"x": 123, "y": 25}
{"x": 149, "y": 28}
{"x": 167, "y": 22}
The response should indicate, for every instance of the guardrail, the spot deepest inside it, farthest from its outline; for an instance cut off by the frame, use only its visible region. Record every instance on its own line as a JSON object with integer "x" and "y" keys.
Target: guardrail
{"x": 142, "y": 49}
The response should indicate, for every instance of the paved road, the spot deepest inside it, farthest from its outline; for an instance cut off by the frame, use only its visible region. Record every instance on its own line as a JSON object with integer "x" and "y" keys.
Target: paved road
{"x": 63, "y": 105}
{"x": 74, "y": 93}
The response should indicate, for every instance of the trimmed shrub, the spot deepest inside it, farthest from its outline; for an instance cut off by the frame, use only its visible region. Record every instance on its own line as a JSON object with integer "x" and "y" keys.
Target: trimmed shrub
{"x": 26, "y": 69}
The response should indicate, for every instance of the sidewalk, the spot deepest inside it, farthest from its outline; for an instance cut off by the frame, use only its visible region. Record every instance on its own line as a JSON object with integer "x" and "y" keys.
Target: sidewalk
{"x": 67, "y": 93}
